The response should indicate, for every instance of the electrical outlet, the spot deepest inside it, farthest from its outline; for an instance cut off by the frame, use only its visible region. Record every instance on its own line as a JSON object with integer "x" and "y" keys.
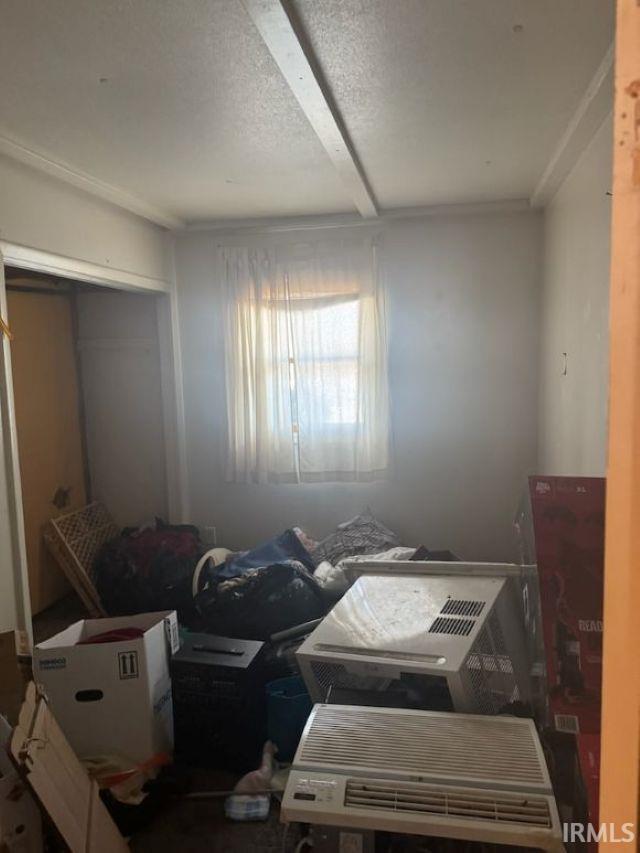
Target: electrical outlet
{"x": 208, "y": 536}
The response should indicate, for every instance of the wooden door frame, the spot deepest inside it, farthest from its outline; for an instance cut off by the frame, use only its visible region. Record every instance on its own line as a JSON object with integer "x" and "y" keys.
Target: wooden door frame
{"x": 620, "y": 764}
{"x": 35, "y": 260}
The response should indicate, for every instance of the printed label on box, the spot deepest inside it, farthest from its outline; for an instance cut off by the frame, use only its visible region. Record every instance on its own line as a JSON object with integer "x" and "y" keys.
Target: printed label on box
{"x": 128, "y": 665}
{"x": 173, "y": 637}
{"x": 52, "y": 663}
{"x": 567, "y": 723}
{"x": 162, "y": 701}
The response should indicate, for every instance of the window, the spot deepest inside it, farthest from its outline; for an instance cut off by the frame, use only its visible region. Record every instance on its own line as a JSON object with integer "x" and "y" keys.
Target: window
{"x": 306, "y": 375}
{"x": 326, "y": 367}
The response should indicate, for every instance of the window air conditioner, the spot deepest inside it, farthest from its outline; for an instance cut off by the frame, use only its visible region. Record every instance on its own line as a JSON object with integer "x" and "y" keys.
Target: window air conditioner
{"x": 462, "y": 776}
{"x": 447, "y": 643}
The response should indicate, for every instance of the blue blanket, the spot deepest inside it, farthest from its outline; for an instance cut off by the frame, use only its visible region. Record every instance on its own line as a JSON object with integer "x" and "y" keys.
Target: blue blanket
{"x": 281, "y": 549}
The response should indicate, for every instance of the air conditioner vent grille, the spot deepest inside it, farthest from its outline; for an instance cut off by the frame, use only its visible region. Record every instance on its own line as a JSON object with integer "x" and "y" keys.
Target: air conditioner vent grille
{"x": 377, "y": 794}
{"x": 488, "y": 673}
{"x": 327, "y": 674}
{"x": 458, "y": 607}
{"x": 336, "y": 675}
{"x": 498, "y": 750}
{"x": 453, "y": 626}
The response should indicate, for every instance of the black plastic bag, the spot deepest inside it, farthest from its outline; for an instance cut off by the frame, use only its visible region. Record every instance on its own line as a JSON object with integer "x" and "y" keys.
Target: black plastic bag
{"x": 261, "y": 602}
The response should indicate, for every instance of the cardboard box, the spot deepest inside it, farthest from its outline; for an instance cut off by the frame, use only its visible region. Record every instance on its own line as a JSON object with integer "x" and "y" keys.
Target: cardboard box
{"x": 66, "y": 793}
{"x": 567, "y": 517}
{"x": 15, "y": 672}
{"x": 112, "y": 698}
{"x": 20, "y": 822}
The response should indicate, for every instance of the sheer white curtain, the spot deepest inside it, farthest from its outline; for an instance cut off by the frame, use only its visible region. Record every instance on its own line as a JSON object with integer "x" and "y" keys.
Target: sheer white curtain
{"x": 306, "y": 363}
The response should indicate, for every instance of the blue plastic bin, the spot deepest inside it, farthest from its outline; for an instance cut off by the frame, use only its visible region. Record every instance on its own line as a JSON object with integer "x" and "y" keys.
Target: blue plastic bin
{"x": 288, "y": 707}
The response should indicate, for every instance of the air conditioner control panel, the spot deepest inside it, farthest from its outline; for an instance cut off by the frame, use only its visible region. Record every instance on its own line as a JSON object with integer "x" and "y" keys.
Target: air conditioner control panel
{"x": 309, "y": 795}
{"x": 312, "y": 789}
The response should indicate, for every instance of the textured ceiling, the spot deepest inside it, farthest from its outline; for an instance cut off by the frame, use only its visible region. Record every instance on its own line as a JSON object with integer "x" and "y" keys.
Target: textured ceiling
{"x": 180, "y": 103}
{"x": 456, "y": 100}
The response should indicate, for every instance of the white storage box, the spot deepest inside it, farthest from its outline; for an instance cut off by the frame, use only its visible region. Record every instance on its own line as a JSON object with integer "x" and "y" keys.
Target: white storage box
{"x": 112, "y": 698}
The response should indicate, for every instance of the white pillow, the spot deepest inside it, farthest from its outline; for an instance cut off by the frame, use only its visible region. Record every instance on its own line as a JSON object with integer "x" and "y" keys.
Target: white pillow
{"x": 331, "y": 578}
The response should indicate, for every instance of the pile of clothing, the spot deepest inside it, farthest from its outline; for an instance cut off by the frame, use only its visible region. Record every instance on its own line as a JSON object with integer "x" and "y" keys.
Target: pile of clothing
{"x": 287, "y": 581}
{"x": 148, "y": 569}
{"x": 284, "y": 582}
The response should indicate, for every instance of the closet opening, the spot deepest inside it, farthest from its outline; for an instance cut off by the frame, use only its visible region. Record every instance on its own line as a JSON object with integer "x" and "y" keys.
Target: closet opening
{"x": 87, "y": 383}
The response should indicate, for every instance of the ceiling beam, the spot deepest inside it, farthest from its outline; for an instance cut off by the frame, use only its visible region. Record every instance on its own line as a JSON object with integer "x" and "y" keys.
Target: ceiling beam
{"x": 595, "y": 105}
{"x": 286, "y": 41}
{"x": 312, "y": 222}
{"x": 87, "y": 183}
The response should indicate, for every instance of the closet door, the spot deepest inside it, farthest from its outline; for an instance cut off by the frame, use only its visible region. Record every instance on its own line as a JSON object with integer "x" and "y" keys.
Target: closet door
{"x": 45, "y": 384}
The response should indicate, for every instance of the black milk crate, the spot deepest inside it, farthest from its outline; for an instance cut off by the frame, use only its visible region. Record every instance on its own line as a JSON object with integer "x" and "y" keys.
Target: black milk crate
{"x": 219, "y": 702}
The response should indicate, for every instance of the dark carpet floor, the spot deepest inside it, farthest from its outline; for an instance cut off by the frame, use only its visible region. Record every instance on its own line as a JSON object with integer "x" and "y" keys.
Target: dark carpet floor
{"x": 194, "y": 826}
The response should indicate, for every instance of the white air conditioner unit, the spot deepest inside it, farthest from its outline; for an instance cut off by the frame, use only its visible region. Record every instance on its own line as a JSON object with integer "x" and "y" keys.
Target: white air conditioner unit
{"x": 462, "y": 776}
{"x": 356, "y": 567}
{"x": 448, "y": 643}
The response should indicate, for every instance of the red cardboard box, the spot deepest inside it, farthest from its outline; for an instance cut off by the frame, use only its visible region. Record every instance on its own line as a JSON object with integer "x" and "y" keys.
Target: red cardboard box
{"x": 568, "y": 526}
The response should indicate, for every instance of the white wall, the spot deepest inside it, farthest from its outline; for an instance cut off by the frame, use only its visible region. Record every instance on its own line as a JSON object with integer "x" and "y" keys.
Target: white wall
{"x": 463, "y": 303}
{"x": 123, "y": 412}
{"x": 573, "y": 406}
{"x": 44, "y": 213}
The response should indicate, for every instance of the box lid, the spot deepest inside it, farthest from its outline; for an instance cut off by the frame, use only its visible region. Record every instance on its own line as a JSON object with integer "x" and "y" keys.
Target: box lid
{"x": 80, "y": 632}
{"x": 211, "y": 650}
